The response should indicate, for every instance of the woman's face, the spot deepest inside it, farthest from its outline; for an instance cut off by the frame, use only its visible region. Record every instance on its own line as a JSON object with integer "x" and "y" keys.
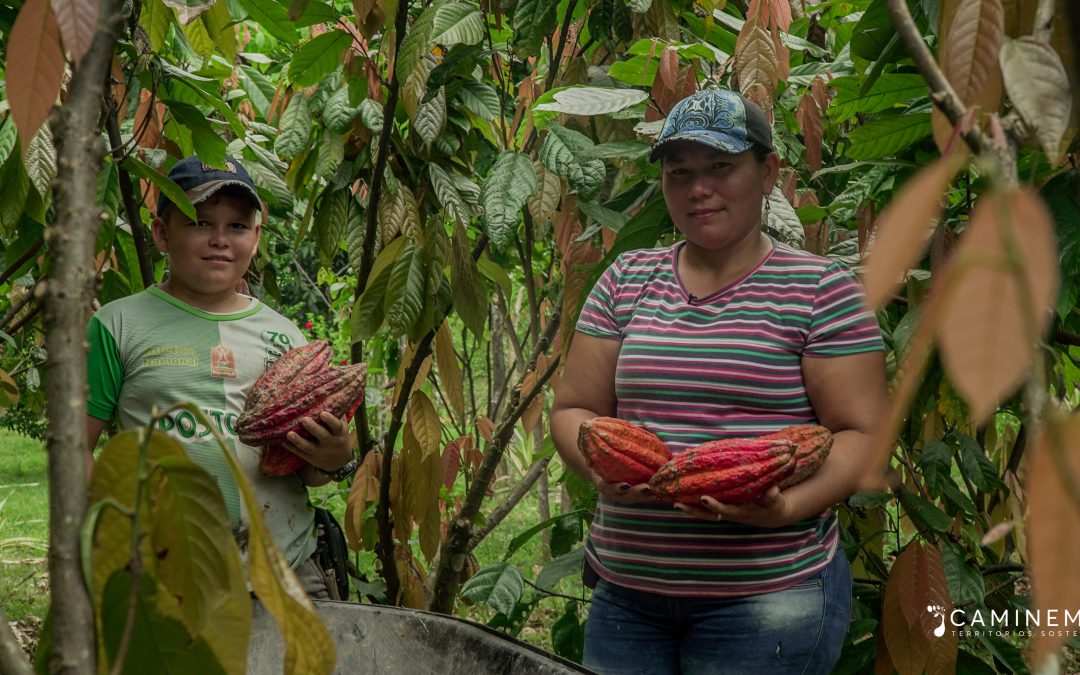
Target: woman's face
{"x": 714, "y": 197}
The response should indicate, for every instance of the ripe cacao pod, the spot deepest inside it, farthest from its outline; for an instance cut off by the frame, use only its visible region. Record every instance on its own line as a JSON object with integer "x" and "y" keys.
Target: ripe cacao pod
{"x": 734, "y": 471}
{"x": 294, "y": 387}
{"x": 812, "y": 445}
{"x": 621, "y": 452}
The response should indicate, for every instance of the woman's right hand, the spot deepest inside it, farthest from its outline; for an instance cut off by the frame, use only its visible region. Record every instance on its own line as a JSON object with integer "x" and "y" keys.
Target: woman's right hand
{"x": 623, "y": 493}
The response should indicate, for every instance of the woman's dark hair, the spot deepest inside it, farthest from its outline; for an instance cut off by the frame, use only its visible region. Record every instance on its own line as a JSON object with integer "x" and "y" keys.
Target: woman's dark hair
{"x": 760, "y": 152}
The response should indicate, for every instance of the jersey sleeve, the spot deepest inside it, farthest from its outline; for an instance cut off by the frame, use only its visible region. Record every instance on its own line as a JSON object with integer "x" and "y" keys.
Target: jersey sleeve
{"x": 104, "y": 369}
{"x": 598, "y": 314}
{"x": 841, "y": 322}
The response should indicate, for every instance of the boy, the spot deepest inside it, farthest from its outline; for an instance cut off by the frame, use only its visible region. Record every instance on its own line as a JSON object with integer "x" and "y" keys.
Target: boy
{"x": 194, "y": 338}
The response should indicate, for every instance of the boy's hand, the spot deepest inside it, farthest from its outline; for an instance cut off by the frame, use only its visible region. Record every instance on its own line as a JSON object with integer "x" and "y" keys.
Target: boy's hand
{"x": 332, "y": 447}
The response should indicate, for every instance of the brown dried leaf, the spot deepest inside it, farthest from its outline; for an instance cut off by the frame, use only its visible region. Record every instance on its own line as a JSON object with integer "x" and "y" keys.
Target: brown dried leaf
{"x": 903, "y": 230}
{"x": 755, "y": 58}
{"x": 808, "y": 116}
{"x": 969, "y": 59}
{"x": 34, "y": 68}
{"x": 446, "y": 360}
{"x": 1054, "y": 524}
{"x": 993, "y": 316}
{"x": 423, "y": 421}
{"x": 364, "y": 491}
{"x": 147, "y": 123}
{"x": 486, "y": 427}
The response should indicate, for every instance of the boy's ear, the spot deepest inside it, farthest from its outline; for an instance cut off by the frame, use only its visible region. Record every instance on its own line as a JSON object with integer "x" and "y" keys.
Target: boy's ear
{"x": 160, "y": 234}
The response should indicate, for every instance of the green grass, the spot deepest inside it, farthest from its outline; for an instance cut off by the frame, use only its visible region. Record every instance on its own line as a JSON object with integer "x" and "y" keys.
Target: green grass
{"x": 24, "y": 528}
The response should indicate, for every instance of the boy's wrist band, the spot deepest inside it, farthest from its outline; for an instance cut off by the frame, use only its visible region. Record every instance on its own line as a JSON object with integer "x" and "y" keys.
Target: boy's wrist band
{"x": 344, "y": 472}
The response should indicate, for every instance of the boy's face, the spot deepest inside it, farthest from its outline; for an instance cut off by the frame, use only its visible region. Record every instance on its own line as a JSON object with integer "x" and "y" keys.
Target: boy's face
{"x": 208, "y": 256}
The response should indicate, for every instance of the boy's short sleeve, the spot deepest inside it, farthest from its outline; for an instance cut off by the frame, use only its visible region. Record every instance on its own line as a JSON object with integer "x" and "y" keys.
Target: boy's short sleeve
{"x": 105, "y": 371}
{"x": 598, "y": 314}
{"x": 841, "y": 322}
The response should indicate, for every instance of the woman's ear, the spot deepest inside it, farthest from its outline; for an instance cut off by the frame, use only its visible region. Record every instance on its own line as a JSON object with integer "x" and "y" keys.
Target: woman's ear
{"x": 771, "y": 169}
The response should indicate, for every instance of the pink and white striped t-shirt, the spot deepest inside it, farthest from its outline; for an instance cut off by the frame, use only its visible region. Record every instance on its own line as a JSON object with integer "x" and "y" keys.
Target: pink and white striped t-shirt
{"x": 728, "y": 365}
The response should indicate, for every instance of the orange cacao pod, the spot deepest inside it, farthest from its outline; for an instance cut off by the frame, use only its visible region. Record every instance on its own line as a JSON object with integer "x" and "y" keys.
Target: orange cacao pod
{"x": 621, "y": 452}
{"x": 812, "y": 445}
{"x": 735, "y": 471}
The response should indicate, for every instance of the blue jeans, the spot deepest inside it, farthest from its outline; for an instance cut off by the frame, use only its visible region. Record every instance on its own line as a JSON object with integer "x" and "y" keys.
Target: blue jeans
{"x": 799, "y": 629}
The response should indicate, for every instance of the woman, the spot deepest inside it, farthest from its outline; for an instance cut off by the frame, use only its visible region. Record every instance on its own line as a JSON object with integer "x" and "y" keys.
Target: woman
{"x": 727, "y": 334}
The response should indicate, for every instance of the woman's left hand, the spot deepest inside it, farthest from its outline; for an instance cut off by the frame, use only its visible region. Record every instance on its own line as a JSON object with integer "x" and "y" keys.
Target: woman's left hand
{"x": 771, "y": 510}
{"x": 332, "y": 447}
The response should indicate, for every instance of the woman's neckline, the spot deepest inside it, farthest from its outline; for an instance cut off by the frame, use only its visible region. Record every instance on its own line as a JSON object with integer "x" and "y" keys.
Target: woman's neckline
{"x": 692, "y": 299}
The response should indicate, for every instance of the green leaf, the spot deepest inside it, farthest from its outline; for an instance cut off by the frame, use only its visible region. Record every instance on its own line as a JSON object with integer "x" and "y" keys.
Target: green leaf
{"x": 500, "y": 585}
{"x": 873, "y": 31}
{"x": 480, "y": 98}
{"x": 562, "y": 153}
{"x": 177, "y": 196}
{"x": 319, "y": 57}
{"x": 209, "y": 145}
{"x": 936, "y": 466}
{"x": 782, "y": 221}
{"x": 40, "y": 160}
{"x": 533, "y": 20}
{"x": 295, "y": 127}
{"x": 155, "y": 19}
{"x": 331, "y": 154}
{"x": 368, "y": 313}
{"x": 888, "y": 136}
{"x": 405, "y": 291}
{"x": 371, "y": 114}
{"x": 355, "y": 232}
{"x": 8, "y": 136}
{"x": 889, "y": 91}
{"x": 398, "y": 213}
{"x": 272, "y": 184}
{"x": 496, "y": 274}
{"x": 639, "y": 71}
{"x": 568, "y": 564}
{"x": 586, "y": 100}
{"x": 199, "y": 39}
{"x": 446, "y": 191}
{"x": 15, "y": 185}
{"x": 965, "y": 580}
{"x": 470, "y": 294}
{"x": 929, "y": 515}
{"x": 568, "y": 632}
{"x": 511, "y": 182}
{"x": 977, "y": 466}
{"x": 156, "y": 638}
{"x": 273, "y": 17}
{"x": 219, "y": 25}
{"x": 331, "y": 218}
{"x": 431, "y": 117}
{"x": 416, "y": 44}
{"x": 458, "y": 23}
{"x": 628, "y": 150}
{"x": 338, "y": 114}
{"x": 260, "y": 91}
{"x": 523, "y": 538}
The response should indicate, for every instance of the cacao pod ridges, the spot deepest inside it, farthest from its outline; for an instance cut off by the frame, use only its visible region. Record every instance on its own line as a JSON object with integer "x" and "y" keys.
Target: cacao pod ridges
{"x": 620, "y": 451}
{"x": 733, "y": 471}
{"x": 812, "y": 445}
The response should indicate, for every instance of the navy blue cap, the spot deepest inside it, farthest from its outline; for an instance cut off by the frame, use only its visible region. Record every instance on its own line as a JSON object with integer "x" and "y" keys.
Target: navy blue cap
{"x": 717, "y": 118}
{"x": 200, "y": 180}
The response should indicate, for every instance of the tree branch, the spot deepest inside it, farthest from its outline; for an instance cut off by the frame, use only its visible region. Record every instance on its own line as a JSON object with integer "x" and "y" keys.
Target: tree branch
{"x": 21, "y": 260}
{"x": 12, "y": 659}
{"x": 452, "y": 554}
{"x": 941, "y": 92}
{"x": 127, "y": 196}
{"x": 512, "y": 500}
{"x": 69, "y": 289}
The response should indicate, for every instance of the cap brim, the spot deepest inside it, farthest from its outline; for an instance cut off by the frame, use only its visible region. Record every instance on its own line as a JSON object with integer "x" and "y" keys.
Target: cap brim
{"x": 713, "y": 139}
{"x": 204, "y": 191}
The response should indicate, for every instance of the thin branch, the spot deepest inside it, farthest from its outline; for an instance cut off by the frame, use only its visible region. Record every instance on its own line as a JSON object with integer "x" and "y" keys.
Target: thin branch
{"x": 21, "y": 260}
{"x": 23, "y": 320}
{"x": 127, "y": 196}
{"x": 310, "y": 282}
{"x": 512, "y": 500}
{"x": 549, "y": 594}
{"x": 941, "y": 92}
{"x": 22, "y": 302}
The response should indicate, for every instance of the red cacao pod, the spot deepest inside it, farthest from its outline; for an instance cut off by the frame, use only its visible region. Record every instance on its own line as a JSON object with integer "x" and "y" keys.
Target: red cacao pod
{"x": 620, "y": 451}
{"x": 734, "y": 471}
{"x": 292, "y": 388}
{"x": 812, "y": 445}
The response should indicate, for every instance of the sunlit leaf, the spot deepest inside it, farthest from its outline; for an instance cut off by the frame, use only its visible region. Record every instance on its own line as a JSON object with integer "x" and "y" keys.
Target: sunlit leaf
{"x": 1001, "y": 298}
{"x": 273, "y": 16}
{"x": 458, "y": 23}
{"x": 584, "y": 100}
{"x": 890, "y": 90}
{"x": 319, "y": 57}
{"x": 888, "y": 136}
{"x": 756, "y": 61}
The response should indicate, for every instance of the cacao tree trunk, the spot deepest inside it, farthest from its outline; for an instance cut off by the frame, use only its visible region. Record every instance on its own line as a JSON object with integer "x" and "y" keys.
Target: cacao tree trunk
{"x": 68, "y": 292}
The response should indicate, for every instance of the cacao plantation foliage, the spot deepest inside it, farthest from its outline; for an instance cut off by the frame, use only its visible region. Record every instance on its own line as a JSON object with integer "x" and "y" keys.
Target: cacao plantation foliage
{"x": 445, "y": 180}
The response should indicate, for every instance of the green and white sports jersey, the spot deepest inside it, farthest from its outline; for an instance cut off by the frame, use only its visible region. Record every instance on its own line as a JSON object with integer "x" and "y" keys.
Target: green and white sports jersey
{"x": 150, "y": 350}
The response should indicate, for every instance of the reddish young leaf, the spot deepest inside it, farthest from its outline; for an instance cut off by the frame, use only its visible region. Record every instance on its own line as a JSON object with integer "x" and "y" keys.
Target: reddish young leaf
{"x": 969, "y": 58}
{"x": 820, "y": 93}
{"x": 783, "y": 56}
{"x": 35, "y": 67}
{"x": 780, "y": 11}
{"x": 908, "y": 647}
{"x": 78, "y": 23}
{"x": 119, "y": 89}
{"x": 1001, "y": 290}
{"x": 903, "y": 230}
{"x": 755, "y": 58}
{"x": 788, "y": 182}
{"x": 665, "y": 85}
{"x": 687, "y": 83}
{"x": 1054, "y": 520}
{"x": 451, "y": 460}
{"x": 147, "y": 123}
{"x": 486, "y": 427}
{"x": 916, "y": 610}
{"x": 813, "y": 129}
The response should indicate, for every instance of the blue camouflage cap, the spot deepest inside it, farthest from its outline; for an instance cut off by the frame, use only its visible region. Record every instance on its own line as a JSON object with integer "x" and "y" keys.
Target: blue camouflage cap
{"x": 717, "y": 118}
